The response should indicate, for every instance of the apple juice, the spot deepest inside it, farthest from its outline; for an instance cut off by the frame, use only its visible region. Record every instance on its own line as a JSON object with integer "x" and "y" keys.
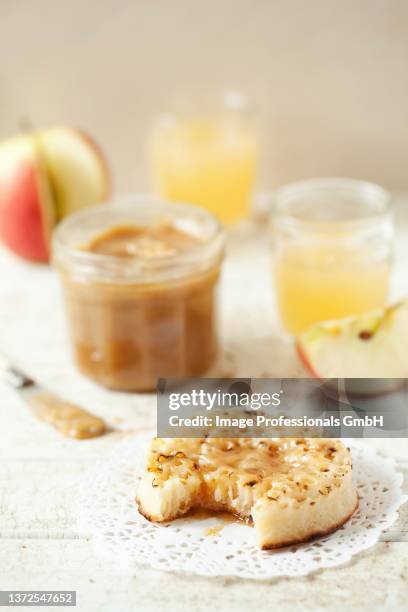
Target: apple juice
{"x": 206, "y": 158}
{"x": 332, "y": 250}
{"x": 317, "y": 283}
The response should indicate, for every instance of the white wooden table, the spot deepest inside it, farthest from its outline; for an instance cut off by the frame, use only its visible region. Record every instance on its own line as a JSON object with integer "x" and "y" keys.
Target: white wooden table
{"x": 41, "y": 547}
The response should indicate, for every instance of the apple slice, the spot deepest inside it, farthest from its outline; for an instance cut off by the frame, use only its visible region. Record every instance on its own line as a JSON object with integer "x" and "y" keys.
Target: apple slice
{"x": 76, "y": 168}
{"x": 26, "y": 206}
{"x": 45, "y": 176}
{"x": 372, "y": 345}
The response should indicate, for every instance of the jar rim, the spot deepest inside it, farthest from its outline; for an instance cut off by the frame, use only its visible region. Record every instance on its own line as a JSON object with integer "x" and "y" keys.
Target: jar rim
{"x": 372, "y": 204}
{"x": 139, "y": 210}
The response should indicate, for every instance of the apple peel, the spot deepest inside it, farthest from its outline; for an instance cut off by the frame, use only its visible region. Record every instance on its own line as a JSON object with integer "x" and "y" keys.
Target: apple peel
{"x": 26, "y": 209}
{"x": 45, "y": 176}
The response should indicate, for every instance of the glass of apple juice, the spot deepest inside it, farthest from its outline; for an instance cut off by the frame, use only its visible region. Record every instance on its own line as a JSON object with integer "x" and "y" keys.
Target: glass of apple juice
{"x": 204, "y": 151}
{"x": 332, "y": 243}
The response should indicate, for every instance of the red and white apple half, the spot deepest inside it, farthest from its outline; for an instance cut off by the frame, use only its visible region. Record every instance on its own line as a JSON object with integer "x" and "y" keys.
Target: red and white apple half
{"x": 44, "y": 176}
{"x": 371, "y": 345}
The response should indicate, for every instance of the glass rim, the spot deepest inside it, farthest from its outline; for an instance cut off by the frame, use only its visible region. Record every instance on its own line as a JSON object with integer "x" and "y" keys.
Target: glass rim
{"x": 137, "y": 207}
{"x": 381, "y": 202}
{"x": 204, "y": 106}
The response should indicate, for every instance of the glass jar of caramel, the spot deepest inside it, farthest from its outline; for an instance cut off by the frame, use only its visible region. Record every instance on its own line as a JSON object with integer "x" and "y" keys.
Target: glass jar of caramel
{"x": 139, "y": 280}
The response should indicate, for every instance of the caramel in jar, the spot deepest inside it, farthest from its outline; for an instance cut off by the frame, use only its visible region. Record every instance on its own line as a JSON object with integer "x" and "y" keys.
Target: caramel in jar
{"x": 149, "y": 312}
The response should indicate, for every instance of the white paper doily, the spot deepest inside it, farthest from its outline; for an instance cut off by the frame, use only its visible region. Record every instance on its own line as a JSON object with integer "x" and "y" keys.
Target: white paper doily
{"x": 108, "y": 512}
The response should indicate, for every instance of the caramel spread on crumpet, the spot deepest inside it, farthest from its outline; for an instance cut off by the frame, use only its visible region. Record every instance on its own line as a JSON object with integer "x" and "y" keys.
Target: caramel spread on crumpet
{"x": 292, "y": 489}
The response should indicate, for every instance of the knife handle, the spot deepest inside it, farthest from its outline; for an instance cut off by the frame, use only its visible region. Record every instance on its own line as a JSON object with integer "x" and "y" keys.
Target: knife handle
{"x": 16, "y": 378}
